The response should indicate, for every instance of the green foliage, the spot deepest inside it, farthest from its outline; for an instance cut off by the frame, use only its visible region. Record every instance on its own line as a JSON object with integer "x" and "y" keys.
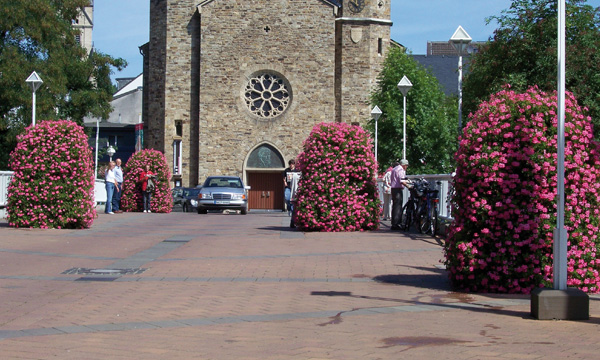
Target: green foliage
{"x": 431, "y": 118}
{"x": 53, "y": 180}
{"x": 37, "y": 35}
{"x": 523, "y": 53}
{"x": 162, "y": 199}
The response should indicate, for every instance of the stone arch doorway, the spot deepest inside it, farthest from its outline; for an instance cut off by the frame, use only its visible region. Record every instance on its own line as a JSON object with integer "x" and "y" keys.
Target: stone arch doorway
{"x": 264, "y": 168}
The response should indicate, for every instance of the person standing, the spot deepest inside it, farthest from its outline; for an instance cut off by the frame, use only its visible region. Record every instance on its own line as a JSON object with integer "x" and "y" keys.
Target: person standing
{"x": 397, "y": 182}
{"x": 293, "y": 189}
{"x": 287, "y": 182}
{"x": 147, "y": 179}
{"x": 110, "y": 184}
{"x": 116, "y": 202}
{"x": 387, "y": 193}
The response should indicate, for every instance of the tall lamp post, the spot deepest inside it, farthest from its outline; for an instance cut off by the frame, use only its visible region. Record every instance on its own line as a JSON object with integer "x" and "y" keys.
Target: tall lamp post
{"x": 34, "y": 81}
{"x": 460, "y": 40}
{"x": 375, "y": 114}
{"x": 111, "y": 151}
{"x": 561, "y": 302}
{"x": 404, "y": 85}
{"x": 96, "y": 159}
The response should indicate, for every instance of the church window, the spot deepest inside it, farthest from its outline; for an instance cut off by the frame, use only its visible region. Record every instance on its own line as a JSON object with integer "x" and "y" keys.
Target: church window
{"x": 265, "y": 156}
{"x": 267, "y": 95}
{"x": 380, "y": 46}
{"x": 178, "y": 128}
{"x": 177, "y": 157}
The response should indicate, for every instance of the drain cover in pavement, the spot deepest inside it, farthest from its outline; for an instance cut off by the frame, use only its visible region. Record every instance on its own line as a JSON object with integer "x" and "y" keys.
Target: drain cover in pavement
{"x": 85, "y": 271}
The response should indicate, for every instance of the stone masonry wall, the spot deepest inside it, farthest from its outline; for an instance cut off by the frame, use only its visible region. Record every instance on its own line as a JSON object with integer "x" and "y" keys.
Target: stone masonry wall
{"x": 295, "y": 39}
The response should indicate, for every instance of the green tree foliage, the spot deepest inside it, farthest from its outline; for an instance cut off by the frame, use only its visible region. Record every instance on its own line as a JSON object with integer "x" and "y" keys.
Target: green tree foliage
{"x": 523, "y": 53}
{"x": 37, "y": 35}
{"x": 431, "y": 118}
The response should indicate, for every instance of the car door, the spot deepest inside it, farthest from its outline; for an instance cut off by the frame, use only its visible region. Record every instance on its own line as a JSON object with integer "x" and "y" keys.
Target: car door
{"x": 177, "y": 198}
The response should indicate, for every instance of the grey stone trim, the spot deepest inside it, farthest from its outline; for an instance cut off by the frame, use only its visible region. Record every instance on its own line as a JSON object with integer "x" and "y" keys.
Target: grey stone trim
{"x": 365, "y": 20}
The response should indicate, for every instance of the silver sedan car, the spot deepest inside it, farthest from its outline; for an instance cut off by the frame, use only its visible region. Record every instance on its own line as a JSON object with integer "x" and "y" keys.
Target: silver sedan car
{"x": 223, "y": 193}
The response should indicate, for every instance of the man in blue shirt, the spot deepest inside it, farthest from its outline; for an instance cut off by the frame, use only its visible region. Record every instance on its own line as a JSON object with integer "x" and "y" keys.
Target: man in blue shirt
{"x": 116, "y": 201}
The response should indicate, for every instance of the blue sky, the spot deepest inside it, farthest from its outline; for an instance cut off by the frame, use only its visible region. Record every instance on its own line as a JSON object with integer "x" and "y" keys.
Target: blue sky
{"x": 121, "y": 26}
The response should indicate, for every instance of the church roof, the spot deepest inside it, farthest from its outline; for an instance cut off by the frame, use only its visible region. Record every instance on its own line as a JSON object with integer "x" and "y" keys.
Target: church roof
{"x": 445, "y": 69}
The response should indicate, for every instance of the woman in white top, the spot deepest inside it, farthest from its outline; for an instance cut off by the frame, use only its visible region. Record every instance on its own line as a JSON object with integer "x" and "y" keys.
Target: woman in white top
{"x": 111, "y": 186}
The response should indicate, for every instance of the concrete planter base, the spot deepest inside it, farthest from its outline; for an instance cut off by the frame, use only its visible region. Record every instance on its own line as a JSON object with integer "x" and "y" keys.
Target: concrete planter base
{"x": 570, "y": 304}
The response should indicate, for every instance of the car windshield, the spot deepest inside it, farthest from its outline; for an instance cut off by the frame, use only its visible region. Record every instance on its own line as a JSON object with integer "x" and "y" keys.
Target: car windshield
{"x": 191, "y": 192}
{"x": 223, "y": 182}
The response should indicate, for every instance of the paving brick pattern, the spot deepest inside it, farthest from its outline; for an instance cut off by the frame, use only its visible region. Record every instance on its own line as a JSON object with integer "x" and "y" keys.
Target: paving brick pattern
{"x": 223, "y": 286}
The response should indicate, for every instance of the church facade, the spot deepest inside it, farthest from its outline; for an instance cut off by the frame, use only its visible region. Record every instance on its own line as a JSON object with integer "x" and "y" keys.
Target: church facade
{"x": 234, "y": 87}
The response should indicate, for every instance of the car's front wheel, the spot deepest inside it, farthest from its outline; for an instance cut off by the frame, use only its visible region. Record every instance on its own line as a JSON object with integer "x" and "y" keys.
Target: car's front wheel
{"x": 244, "y": 211}
{"x": 185, "y": 208}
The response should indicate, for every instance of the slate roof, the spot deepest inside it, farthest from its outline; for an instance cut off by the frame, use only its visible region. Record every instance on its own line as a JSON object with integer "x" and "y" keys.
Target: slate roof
{"x": 445, "y": 69}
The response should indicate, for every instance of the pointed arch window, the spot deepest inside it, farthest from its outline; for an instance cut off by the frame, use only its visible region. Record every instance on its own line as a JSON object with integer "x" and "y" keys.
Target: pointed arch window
{"x": 265, "y": 156}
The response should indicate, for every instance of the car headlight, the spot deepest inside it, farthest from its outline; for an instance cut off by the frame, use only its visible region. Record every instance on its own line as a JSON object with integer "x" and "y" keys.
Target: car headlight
{"x": 238, "y": 196}
{"x": 206, "y": 196}
{"x": 194, "y": 202}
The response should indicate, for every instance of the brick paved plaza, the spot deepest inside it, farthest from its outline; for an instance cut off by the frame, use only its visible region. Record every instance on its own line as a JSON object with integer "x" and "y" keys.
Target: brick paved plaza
{"x": 217, "y": 286}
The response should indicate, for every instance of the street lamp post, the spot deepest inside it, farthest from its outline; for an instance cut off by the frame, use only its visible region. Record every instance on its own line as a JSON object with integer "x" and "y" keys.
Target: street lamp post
{"x": 34, "y": 81}
{"x": 561, "y": 302}
{"x": 460, "y": 40}
{"x": 111, "y": 151}
{"x": 375, "y": 114}
{"x": 96, "y": 159}
{"x": 404, "y": 85}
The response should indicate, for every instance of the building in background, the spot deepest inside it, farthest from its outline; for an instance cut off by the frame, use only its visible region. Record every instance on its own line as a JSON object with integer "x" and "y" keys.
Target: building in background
{"x": 85, "y": 24}
{"x": 119, "y": 130}
{"x": 235, "y": 87}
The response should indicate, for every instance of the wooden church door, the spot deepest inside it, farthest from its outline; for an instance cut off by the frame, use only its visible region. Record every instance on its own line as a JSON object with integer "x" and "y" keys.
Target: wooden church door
{"x": 266, "y": 190}
{"x": 264, "y": 175}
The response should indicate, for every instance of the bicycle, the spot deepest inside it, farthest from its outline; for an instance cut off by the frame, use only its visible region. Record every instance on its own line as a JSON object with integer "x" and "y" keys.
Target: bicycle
{"x": 428, "y": 212}
{"x": 410, "y": 209}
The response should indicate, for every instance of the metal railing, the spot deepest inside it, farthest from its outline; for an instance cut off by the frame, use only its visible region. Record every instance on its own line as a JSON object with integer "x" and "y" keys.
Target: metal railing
{"x": 5, "y": 177}
{"x": 445, "y": 191}
{"x": 444, "y": 187}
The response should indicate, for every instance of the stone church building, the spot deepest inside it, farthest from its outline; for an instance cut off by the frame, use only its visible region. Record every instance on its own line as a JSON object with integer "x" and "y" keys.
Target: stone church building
{"x": 234, "y": 87}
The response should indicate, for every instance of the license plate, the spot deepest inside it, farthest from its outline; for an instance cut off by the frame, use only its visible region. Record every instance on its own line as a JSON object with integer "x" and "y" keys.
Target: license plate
{"x": 217, "y": 202}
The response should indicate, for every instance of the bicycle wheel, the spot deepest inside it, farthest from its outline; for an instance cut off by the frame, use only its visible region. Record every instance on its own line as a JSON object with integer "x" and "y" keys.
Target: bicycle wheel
{"x": 434, "y": 220}
{"x": 425, "y": 223}
{"x": 406, "y": 217}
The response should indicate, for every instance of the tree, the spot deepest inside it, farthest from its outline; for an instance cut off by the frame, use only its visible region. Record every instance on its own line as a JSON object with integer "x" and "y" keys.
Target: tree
{"x": 431, "y": 120}
{"x": 505, "y": 196}
{"x": 37, "y": 35}
{"x": 53, "y": 181}
{"x": 523, "y": 53}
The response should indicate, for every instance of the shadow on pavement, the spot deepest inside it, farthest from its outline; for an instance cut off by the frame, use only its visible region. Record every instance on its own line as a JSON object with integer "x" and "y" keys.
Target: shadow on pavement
{"x": 459, "y": 301}
{"x": 427, "y": 281}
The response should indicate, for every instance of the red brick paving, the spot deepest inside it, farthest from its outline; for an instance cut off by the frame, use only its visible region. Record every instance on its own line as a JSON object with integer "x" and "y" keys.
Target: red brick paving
{"x": 248, "y": 287}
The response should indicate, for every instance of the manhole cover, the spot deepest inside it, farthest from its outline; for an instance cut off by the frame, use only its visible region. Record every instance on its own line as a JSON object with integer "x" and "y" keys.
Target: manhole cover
{"x": 86, "y": 271}
{"x": 106, "y": 271}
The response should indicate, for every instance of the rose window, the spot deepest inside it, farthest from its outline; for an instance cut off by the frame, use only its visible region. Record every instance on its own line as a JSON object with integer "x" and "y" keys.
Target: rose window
{"x": 267, "y": 95}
